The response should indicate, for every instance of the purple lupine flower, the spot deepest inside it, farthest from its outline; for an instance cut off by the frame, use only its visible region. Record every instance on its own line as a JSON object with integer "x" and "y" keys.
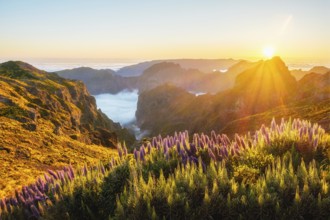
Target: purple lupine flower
{"x": 266, "y": 135}
{"x": 159, "y": 137}
{"x": 21, "y": 199}
{"x": 165, "y": 141}
{"x": 273, "y": 124}
{"x": 232, "y": 151}
{"x": 47, "y": 178}
{"x": 185, "y": 146}
{"x": 200, "y": 143}
{"x": 310, "y": 134}
{"x": 218, "y": 151}
{"x": 184, "y": 159}
{"x": 256, "y": 136}
{"x": 13, "y": 201}
{"x": 8, "y": 205}
{"x": 178, "y": 147}
{"x": 46, "y": 187}
{"x": 186, "y": 134}
{"x": 120, "y": 152}
{"x": 35, "y": 211}
{"x": 278, "y": 130}
{"x": 142, "y": 150}
{"x": 154, "y": 141}
{"x": 211, "y": 154}
{"x": 125, "y": 150}
{"x": 165, "y": 148}
{"x": 38, "y": 198}
{"x": 57, "y": 188}
{"x": 52, "y": 189}
{"x": 149, "y": 148}
{"x": 195, "y": 138}
{"x": 171, "y": 141}
{"x": 193, "y": 149}
{"x": 136, "y": 153}
{"x": 237, "y": 139}
{"x": 85, "y": 170}
{"x": 175, "y": 135}
{"x": 213, "y": 136}
{"x": 282, "y": 128}
{"x": 102, "y": 169}
{"x": 194, "y": 159}
{"x": 142, "y": 155}
{"x": 236, "y": 146}
{"x": 301, "y": 132}
{"x": 243, "y": 144}
{"x": 53, "y": 174}
{"x": 263, "y": 129}
{"x": 226, "y": 139}
{"x": 218, "y": 140}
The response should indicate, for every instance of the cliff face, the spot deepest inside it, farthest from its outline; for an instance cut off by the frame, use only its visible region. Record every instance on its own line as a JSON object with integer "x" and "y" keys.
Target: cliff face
{"x": 28, "y": 95}
{"x": 264, "y": 86}
{"x": 47, "y": 122}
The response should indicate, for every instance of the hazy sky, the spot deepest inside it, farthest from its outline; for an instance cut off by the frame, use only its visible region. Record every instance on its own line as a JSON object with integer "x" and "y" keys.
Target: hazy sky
{"x": 154, "y": 29}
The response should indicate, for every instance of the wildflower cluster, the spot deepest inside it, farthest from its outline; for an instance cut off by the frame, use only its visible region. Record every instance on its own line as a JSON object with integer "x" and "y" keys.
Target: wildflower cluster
{"x": 278, "y": 172}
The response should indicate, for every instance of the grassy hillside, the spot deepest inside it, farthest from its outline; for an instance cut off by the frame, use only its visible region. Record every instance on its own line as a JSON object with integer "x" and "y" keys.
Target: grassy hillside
{"x": 25, "y": 155}
{"x": 277, "y": 172}
{"x": 48, "y": 122}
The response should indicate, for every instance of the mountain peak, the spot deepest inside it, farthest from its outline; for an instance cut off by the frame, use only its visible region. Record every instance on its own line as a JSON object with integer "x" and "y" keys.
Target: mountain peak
{"x": 266, "y": 84}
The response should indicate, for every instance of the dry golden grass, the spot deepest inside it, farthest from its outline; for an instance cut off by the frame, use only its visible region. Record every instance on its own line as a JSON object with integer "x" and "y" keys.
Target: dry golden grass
{"x": 25, "y": 155}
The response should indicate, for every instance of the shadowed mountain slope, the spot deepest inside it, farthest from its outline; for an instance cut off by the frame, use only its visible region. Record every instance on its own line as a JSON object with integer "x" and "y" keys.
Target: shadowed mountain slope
{"x": 264, "y": 87}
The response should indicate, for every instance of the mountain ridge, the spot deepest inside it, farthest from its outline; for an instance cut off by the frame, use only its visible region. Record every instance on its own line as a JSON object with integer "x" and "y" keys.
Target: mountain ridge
{"x": 261, "y": 88}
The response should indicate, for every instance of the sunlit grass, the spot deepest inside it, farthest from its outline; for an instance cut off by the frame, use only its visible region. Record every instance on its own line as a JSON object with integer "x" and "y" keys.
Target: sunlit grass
{"x": 280, "y": 171}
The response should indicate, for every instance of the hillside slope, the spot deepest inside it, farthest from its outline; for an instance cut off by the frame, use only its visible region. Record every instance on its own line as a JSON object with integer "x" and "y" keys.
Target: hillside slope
{"x": 48, "y": 121}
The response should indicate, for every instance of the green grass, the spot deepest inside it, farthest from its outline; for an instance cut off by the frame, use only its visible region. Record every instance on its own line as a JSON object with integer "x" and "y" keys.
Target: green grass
{"x": 280, "y": 172}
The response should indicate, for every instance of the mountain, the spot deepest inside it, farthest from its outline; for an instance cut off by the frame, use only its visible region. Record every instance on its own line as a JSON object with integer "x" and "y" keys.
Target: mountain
{"x": 99, "y": 81}
{"x": 264, "y": 87}
{"x": 189, "y": 79}
{"x": 167, "y": 72}
{"x": 203, "y": 65}
{"x": 186, "y": 74}
{"x": 47, "y": 121}
{"x": 298, "y": 73}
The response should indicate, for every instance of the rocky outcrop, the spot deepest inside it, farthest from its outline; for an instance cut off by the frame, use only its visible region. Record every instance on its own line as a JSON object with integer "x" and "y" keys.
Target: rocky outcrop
{"x": 29, "y": 96}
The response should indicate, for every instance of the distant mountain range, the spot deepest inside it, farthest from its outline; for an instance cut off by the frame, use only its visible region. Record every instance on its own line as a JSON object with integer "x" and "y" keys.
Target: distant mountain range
{"x": 188, "y": 74}
{"x": 203, "y": 65}
{"x": 199, "y": 76}
{"x": 298, "y": 73}
{"x": 267, "y": 87}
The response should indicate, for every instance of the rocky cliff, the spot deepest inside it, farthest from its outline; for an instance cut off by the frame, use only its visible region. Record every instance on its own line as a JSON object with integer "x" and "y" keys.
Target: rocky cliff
{"x": 28, "y": 95}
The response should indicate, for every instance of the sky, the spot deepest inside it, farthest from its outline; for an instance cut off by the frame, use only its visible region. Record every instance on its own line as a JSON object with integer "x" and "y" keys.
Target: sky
{"x": 162, "y": 29}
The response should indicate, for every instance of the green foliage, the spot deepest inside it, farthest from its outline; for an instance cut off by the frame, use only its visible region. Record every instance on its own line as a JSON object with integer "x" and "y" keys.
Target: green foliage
{"x": 263, "y": 177}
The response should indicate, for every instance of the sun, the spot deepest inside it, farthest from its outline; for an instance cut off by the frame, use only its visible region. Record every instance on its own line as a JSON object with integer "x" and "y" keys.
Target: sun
{"x": 268, "y": 51}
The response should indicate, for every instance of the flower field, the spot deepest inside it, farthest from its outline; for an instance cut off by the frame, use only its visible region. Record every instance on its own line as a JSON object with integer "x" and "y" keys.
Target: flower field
{"x": 278, "y": 172}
